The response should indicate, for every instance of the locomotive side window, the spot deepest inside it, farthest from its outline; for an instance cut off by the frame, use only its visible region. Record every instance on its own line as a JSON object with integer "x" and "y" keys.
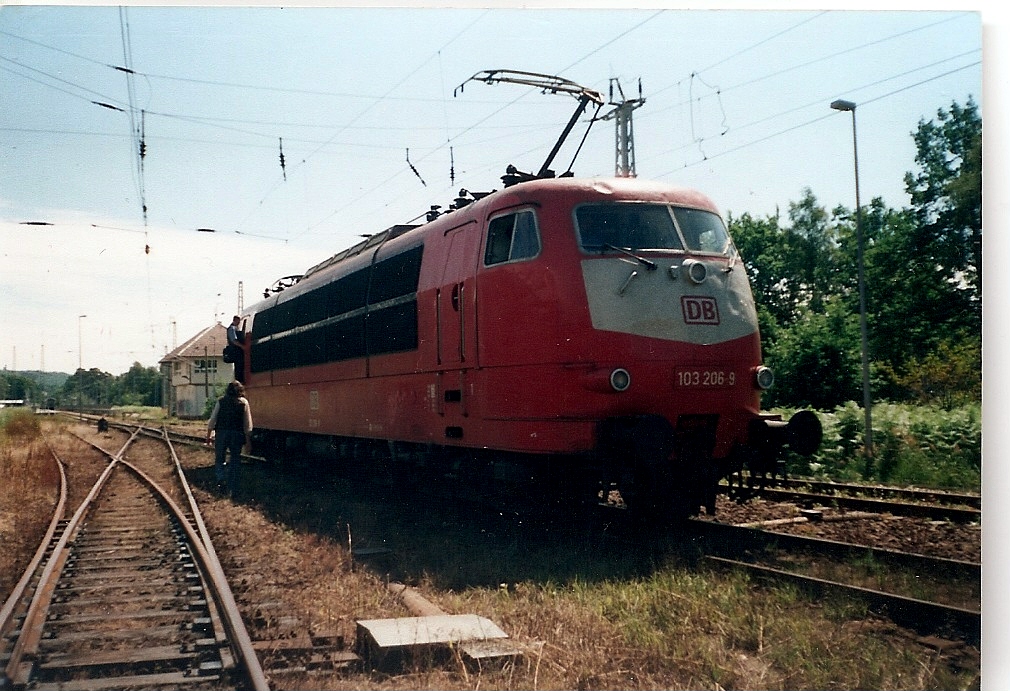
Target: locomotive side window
{"x": 371, "y": 311}
{"x": 627, "y": 226}
{"x": 703, "y": 231}
{"x": 512, "y": 237}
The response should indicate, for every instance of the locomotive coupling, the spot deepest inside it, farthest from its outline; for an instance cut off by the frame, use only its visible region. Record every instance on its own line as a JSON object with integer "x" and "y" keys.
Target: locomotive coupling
{"x": 801, "y": 434}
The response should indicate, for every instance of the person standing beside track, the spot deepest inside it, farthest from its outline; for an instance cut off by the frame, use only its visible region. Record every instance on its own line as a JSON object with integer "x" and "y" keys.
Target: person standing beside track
{"x": 231, "y": 427}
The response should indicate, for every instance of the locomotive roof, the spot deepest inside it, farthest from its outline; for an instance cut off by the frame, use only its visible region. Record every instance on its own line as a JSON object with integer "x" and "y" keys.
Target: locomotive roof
{"x": 617, "y": 188}
{"x": 354, "y": 250}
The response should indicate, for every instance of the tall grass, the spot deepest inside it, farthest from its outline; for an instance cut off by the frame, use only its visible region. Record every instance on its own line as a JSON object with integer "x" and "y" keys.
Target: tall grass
{"x": 28, "y": 480}
{"x": 18, "y": 424}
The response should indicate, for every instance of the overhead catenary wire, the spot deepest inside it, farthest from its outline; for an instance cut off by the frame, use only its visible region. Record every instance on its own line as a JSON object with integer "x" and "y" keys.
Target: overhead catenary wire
{"x": 514, "y": 100}
{"x": 280, "y": 145}
{"x": 445, "y": 117}
{"x": 719, "y": 150}
{"x": 234, "y": 85}
{"x": 817, "y": 102}
{"x": 362, "y": 113}
{"x": 812, "y": 121}
{"x": 450, "y": 141}
{"x": 767, "y": 39}
{"x": 140, "y": 144}
{"x": 112, "y": 103}
{"x": 652, "y": 112}
{"x": 414, "y": 170}
{"x": 791, "y": 68}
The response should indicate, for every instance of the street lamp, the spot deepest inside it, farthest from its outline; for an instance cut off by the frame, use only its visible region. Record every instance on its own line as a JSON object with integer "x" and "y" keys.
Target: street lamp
{"x": 80, "y": 368}
{"x": 849, "y": 106}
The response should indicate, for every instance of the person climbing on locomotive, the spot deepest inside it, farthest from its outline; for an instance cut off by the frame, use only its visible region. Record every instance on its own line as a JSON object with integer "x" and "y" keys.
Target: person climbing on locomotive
{"x": 235, "y": 350}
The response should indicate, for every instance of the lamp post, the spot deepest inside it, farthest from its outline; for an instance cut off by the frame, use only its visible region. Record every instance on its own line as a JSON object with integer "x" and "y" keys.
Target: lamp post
{"x": 80, "y": 368}
{"x": 849, "y": 106}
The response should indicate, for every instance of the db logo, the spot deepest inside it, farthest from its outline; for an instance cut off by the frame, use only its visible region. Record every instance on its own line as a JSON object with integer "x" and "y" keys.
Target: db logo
{"x": 699, "y": 310}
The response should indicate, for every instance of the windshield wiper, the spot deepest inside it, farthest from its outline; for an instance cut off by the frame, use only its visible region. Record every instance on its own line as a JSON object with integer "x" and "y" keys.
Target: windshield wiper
{"x": 650, "y": 265}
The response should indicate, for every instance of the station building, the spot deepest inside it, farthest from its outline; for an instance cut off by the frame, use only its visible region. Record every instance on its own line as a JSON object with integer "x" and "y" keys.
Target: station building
{"x": 195, "y": 372}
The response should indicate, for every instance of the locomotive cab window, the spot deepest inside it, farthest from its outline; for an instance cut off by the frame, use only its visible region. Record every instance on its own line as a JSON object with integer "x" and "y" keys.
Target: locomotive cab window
{"x": 703, "y": 231}
{"x": 627, "y": 226}
{"x": 637, "y": 226}
{"x": 512, "y": 237}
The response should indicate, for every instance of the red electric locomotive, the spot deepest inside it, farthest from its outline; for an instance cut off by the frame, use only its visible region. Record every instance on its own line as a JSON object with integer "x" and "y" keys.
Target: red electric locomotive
{"x": 598, "y": 334}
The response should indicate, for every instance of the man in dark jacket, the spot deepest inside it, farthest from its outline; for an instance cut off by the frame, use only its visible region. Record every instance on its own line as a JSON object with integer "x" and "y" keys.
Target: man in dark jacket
{"x": 231, "y": 426}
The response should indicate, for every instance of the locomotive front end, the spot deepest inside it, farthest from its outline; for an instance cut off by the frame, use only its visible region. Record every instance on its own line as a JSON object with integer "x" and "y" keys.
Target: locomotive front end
{"x": 669, "y": 297}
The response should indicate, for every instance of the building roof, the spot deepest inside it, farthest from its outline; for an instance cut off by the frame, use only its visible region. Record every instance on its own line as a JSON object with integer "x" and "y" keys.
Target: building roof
{"x": 213, "y": 338}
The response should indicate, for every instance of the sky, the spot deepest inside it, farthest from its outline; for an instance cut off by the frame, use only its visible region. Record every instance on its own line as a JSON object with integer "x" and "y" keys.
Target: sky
{"x": 366, "y": 106}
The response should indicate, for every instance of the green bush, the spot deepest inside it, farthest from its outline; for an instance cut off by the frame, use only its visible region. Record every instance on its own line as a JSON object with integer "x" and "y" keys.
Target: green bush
{"x": 926, "y": 446}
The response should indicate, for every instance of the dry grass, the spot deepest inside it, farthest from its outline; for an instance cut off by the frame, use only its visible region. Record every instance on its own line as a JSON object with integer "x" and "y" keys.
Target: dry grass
{"x": 29, "y": 478}
{"x": 681, "y": 628}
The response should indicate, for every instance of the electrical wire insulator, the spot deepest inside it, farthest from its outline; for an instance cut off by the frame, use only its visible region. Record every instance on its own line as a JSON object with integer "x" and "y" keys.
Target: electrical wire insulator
{"x": 284, "y": 170}
{"x": 415, "y": 169}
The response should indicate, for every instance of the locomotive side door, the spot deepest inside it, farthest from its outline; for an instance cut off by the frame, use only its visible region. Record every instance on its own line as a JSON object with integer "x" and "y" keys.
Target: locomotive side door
{"x": 455, "y": 301}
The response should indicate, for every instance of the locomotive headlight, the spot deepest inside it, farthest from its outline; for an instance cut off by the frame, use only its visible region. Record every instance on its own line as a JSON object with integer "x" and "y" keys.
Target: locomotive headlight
{"x": 695, "y": 270}
{"x": 764, "y": 378}
{"x": 620, "y": 379}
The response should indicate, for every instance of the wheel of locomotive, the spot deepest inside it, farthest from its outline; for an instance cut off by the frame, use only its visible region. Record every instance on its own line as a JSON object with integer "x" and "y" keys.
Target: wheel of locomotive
{"x": 662, "y": 491}
{"x": 640, "y": 454}
{"x": 650, "y": 494}
{"x": 566, "y": 484}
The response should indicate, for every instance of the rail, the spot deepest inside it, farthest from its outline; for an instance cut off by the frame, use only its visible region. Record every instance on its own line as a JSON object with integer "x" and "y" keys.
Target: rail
{"x": 224, "y": 612}
{"x": 722, "y": 543}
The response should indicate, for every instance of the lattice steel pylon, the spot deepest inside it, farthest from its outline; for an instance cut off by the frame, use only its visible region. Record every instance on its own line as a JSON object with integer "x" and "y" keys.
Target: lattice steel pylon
{"x": 624, "y": 158}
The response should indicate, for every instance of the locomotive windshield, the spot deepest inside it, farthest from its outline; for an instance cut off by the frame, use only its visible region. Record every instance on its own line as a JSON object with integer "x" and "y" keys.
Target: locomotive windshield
{"x": 650, "y": 227}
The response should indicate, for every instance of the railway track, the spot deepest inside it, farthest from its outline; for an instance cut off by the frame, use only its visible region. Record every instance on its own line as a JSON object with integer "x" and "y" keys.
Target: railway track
{"x": 903, "y": 494}
{"x": 286, "y": 645}
{"x": 952, "y": 587}
{"x": 915, "y": 504}
{"x": 126, "y": 593}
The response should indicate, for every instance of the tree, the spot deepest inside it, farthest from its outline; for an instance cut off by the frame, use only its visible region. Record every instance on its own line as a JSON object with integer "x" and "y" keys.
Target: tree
{"x": 17, "y": 386}
{"x": 950, "y": 376}
{"x": 813, "y": 244}
{"x": 92, "y": 387}
{"x": 768, "y": 263}
{"x": 139, "y": 386}
{"x": 946, "y": 194}
{"x": 816, "y": 359}
{"x": 923, "y": 281}
{"x": 800, "y": 286}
